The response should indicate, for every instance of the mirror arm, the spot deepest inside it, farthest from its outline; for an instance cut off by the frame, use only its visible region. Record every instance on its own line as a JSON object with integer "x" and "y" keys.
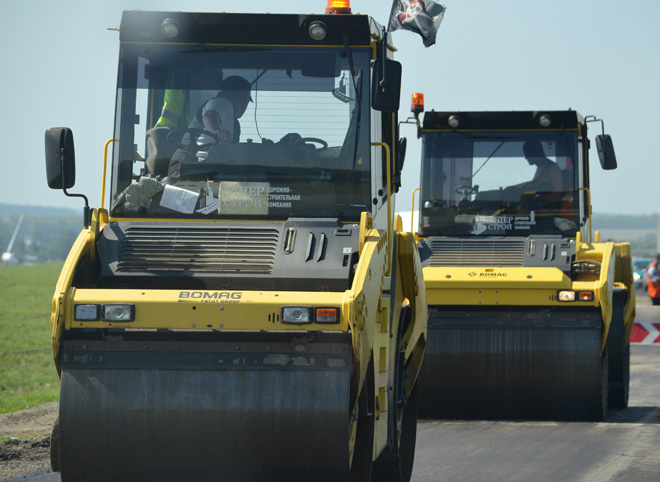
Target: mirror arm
{"x": 593, "y": 118}
{"x": 87, "y": 214}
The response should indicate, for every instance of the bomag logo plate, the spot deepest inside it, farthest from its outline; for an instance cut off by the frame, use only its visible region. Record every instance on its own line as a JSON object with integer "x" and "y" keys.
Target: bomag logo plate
{"x": 487, "y": 274}
{"x": 210, "y": 296}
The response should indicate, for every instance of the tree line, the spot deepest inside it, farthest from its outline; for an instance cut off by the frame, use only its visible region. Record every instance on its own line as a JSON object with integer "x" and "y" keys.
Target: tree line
{"x": 41, "y": 238}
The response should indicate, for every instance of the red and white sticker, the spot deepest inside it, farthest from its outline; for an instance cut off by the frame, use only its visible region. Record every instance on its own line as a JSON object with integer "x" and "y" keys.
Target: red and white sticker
{"x": 645, "y": 333}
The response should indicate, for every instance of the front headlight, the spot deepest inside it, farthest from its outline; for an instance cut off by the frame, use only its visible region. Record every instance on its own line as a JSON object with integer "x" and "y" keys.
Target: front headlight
{"x": 296, "y": 314}
{"x": 118, "y": 312}
{"x": 86, "y": 312}
{"x": 566, "y": 296}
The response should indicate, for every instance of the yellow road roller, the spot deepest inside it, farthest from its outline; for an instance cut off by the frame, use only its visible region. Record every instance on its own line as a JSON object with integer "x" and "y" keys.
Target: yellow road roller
{"x": 529, "y": 313}
{"x": 246, "y": 305}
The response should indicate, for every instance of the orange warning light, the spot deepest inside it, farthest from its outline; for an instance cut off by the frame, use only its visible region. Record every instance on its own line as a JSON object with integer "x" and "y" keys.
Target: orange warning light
{"x": 327, "y": 315}
{"x": 417, "y": 104}
{"x": 338, "y": 6}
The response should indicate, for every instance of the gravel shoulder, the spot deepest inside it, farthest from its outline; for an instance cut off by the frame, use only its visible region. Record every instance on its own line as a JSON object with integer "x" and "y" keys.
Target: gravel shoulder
{"x": 25, "y": 440}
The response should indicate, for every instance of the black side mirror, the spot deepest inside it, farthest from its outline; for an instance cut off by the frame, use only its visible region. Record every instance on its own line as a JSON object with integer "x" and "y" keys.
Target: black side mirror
{"x": 606, "y": 152}
{"x": 386, "y": 85}
{"x": 61, "y": 164}
{"x": 60, "y": 158}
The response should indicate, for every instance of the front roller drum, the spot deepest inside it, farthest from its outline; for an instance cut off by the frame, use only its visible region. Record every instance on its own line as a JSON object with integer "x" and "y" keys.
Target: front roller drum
{"x": 239, "y": 410}
{"x": 513, "y": 365}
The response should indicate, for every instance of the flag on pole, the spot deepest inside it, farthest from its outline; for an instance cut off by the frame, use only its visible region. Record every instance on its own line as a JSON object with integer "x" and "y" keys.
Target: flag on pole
{"x": 420, "y": 16}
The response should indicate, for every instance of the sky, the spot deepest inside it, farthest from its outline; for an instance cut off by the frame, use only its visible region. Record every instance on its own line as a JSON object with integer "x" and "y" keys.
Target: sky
{"x": 599, "y": 57}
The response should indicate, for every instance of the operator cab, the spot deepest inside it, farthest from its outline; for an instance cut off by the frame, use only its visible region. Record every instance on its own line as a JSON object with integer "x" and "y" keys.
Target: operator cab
{"x": 501, "y": 174}
{"x": 301, "y": 148}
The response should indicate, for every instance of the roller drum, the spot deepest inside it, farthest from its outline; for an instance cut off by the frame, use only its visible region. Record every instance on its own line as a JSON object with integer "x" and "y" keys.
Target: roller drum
{"x": 204, "y": 411}
{"x": 489, "y": 364}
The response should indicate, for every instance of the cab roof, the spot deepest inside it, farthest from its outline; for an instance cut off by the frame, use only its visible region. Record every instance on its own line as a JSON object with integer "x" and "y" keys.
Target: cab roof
{"x": 237, "y": 28}
{"x": 498, "y": 120}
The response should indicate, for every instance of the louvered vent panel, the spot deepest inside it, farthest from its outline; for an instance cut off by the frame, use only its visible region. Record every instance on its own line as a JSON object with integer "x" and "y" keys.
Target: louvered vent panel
{"x": 212, "y": 250}
{"x": 476, "y": 253}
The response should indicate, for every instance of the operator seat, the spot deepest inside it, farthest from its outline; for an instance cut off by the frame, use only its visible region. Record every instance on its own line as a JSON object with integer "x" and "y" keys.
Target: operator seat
{"x": 159, "y": 151}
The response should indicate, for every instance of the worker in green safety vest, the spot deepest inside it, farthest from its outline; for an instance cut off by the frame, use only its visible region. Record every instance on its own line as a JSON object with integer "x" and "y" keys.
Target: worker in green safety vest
{"x": 176, "y": 107}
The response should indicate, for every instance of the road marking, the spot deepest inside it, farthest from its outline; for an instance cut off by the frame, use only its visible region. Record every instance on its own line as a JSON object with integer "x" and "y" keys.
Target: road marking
{"x": 645, "y": 333}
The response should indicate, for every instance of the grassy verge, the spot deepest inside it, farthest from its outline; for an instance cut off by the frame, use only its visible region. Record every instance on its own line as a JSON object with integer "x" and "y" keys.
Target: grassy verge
{"x": 27, "y": 373}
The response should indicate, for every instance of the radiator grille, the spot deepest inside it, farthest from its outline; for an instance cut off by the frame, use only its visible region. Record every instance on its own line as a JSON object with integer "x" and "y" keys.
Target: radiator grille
{"x": 198, "y": 250}
{"x": 482, "y": 252}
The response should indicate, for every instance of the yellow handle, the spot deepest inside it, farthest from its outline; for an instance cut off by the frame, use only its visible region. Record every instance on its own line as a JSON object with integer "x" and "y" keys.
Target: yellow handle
{"x": 105, "y": 165}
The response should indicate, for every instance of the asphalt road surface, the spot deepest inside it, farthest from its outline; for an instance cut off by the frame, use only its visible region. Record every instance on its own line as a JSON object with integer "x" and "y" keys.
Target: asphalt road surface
{"x": 625, "y": 447}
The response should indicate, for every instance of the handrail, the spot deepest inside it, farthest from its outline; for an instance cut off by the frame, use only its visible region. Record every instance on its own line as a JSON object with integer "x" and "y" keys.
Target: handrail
{"x": 412, "y": 208}
{"x": 105, "y": 166}
{"x": 586, "y": 189}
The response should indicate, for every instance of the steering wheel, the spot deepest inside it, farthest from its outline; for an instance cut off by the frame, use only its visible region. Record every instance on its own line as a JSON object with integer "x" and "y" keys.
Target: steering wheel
{"x": 176, "y": 137}
{"x": 310, "y": 141}
{"x": 466, "y": 190}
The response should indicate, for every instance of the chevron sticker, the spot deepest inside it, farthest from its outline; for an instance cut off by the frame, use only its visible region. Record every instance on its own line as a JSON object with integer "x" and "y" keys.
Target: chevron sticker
{"x": 645, "y": 333}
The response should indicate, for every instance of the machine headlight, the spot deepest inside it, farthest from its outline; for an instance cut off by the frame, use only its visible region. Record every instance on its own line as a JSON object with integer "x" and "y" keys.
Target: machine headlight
{"x": 318, "y": 30}
{"x": 86, "y": 312}
{"x": 566, "y": 296}
{"x": 636, "y": 276}
{"x": 545, "y": 120}
{"x": 296, "y": 314}
{"x": 118, "y": 312}
{"x": 170, "y": 27}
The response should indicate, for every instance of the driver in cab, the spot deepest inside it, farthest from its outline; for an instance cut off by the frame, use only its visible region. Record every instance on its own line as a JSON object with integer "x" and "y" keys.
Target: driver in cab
{"x": 548, "y": 175}
{"x": 219, "y": 116}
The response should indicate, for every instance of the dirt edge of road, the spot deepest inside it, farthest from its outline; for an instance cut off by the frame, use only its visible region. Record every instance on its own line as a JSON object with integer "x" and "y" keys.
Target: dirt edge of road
{"x": 25, "y": 440}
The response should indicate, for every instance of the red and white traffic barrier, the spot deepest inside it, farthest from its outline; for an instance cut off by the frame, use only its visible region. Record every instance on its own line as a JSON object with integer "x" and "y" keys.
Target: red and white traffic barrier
{"x": 645, "y": 333}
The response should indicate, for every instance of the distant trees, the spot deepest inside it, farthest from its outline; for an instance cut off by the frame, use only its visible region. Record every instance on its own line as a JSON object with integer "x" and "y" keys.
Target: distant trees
{"x": 625, "y": 221}
{"x": 41, "y": 238}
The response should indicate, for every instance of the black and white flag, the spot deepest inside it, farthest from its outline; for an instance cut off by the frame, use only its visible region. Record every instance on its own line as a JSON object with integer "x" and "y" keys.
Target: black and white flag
{"x": 420, "y": 16}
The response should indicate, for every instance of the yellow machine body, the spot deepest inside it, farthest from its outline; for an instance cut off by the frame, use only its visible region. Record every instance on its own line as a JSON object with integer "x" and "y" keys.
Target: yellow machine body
{"x": 529, "y": 314}
{"x": 256, "y": 313}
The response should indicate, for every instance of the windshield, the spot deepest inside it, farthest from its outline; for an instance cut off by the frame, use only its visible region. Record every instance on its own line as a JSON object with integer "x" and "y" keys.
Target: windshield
{"x": 249, "y": 132}
{"x": 499, "y": 183}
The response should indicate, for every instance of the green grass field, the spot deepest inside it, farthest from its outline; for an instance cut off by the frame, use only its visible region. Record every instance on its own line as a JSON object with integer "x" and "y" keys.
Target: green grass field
{"x": 27, "y": 372}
